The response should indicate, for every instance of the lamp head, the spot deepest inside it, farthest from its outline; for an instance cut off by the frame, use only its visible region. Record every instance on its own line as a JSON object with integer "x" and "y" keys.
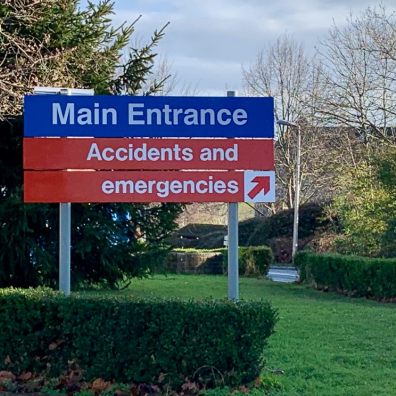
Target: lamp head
{"x": 287, "y": 123}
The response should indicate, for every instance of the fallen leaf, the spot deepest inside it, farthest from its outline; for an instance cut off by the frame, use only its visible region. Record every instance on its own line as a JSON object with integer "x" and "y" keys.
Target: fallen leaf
{"x": 190, "y": 386}
{"x": 7, "y": 375}
{"x": 25, "y": 376}
{"x": 243, "y": 389}
{"x": 161, "y": 378}
{"x": 99, "y": 385}
{"x": 7, "y": 360}
{"x": 55, "y": 344}
{"x": 52, "y": 346}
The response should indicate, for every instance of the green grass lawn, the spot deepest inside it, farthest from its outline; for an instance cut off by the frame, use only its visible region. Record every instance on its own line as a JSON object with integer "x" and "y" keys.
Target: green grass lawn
{"x": 324, "y": 344}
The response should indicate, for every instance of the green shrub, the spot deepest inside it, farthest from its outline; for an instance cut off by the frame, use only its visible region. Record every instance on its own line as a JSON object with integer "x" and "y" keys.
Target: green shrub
{"x": 352, "y": 275}
{"x": 125, "y": 340}
{"x": 214, "y": 265}
{"x": 253, "y": 260}
{"x": 197, "y": 261}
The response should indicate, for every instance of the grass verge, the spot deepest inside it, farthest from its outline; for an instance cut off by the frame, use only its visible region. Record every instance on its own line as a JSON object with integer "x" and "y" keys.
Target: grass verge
{"x": 324, "y": 344}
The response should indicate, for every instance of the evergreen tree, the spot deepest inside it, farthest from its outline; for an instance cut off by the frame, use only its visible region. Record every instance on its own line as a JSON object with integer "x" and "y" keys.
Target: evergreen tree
{"x": 57, "y": 43}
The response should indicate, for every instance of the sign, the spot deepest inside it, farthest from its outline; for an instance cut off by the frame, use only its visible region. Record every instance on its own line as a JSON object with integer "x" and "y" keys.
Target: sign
{"x": 259, "y": 186}
{"x": 147, "y": 154}
{"x": 148, "y": 116}
{"x": 148, "y": 186}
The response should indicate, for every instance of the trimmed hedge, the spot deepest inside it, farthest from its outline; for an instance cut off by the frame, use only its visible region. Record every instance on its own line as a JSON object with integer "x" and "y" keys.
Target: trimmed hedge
{"x": 253, "y": 260}
{"x": 195, "y": 261}
{"x": 352, "y": 275}
{"x": 125, "y": 340}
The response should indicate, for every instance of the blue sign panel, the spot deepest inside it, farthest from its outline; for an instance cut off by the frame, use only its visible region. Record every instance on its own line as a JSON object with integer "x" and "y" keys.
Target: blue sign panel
{"x": 148, "y": 116}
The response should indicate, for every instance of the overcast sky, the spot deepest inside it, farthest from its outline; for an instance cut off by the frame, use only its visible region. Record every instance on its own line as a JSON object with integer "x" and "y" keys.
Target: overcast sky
{"x": 208, "y": 41}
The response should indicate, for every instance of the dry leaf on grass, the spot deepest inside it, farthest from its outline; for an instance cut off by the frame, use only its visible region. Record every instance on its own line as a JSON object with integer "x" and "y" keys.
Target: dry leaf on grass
{"x": 25, "y": 376}
{"x": 7, "y": 375}
{"x": 99, "y": 385}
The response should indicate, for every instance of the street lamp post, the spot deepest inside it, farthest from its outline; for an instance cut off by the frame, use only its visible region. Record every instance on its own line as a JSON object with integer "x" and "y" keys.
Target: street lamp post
{"x": 297, "y": 184}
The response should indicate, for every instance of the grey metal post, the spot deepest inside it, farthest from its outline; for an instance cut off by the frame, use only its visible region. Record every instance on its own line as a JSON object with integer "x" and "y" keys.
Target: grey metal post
{"x": 233, "y": 273}
{"x": 64, "y": 208}
{"x": 64, "y": 238}
{"x": 64, "y": 247}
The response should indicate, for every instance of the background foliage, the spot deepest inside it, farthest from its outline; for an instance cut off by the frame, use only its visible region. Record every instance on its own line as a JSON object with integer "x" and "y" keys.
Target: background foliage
{"x": 367, "y": 208}
{"x": 57, "y": 43}
{"x": 274, "y": 231}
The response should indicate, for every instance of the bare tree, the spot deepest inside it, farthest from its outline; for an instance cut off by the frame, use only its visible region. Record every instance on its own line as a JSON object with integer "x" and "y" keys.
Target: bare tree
{"x": 286, "y": 73}
{"x": 359, "y": 77}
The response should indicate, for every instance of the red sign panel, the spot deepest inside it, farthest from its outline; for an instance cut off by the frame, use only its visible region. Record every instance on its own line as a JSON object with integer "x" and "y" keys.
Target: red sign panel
{"x": 124, "y": 186}
{"x": 149, "y": 186}
{"x": 147, "y": 154}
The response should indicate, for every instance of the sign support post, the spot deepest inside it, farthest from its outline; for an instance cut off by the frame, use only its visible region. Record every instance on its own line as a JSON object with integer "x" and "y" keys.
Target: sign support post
{"x": 64, "y": 208}
{"x": 64, "y": 247}
{"x": 233, "y": 273}
{"x": 64, "y": 239}
{"x": 233, "y": 265}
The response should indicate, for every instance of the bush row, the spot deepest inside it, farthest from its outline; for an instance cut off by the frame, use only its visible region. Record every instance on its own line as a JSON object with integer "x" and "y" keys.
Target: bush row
{"x": 353, "y": 275}
{"x": 194, "y": 261}
{"x": 253, "y": 260}
{"x": 124, "y": 339}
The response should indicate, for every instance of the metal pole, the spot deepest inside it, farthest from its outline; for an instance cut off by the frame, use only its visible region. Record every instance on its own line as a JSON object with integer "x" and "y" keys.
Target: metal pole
{"x": 233, "y": 273}
{"x": 64, "y": 208}
{"x": 297, "y": 194}
{"x": 64, "y": 247}
{"x": 64, "y": 215}
{"x": 64, "y": 238}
